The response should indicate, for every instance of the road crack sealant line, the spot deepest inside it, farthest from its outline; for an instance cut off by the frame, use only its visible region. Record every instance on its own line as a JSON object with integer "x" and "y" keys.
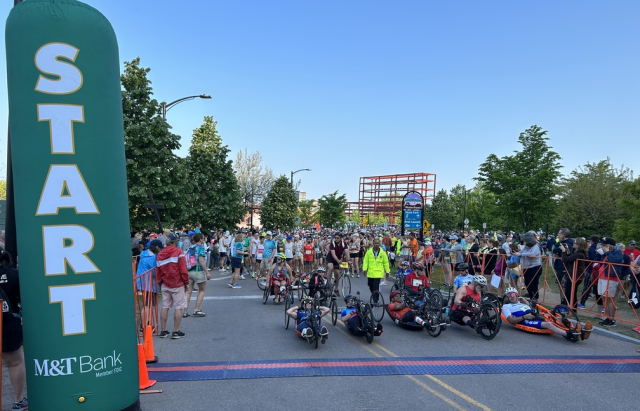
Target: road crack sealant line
{"x": 393, "y": 366}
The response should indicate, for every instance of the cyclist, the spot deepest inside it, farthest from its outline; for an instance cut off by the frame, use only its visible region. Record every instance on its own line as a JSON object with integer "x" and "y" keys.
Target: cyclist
{"x": 401, "y": 313}
{"x": 519, "y": 311}
{"x": 402, "y": 274}
{"x": 301, "y": 313}
{"x": 462, "y": 276}
{"x": 317, "y": 281}
{"x": 337, "y": 250}
{"x": 460, "y": 310}
{"x": 279, "y": 274}
{"x": 350, "y": 318}
{"x": 416, "y": 279}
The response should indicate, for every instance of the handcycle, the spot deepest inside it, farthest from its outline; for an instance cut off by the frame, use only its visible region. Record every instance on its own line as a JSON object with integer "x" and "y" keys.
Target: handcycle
{"x": 428, "y": 305}
{"x": 269, "y": 291}
{"x": 485, "y": 315}
{"x": 314, "y": 319}
{"x": 363, "y": 310}
{"x": 562, "y": 316}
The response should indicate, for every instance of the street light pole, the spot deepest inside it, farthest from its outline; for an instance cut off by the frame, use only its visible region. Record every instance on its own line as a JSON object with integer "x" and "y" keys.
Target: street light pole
{"x": 464, "y": 209}
{"x": 297, "y": 171}
{"x": 166, "y": 107}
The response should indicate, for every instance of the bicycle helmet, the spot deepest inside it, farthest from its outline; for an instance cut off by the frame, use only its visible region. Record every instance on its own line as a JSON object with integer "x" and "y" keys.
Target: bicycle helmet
{"x": 404, "y": 263}
{"x": 323, "y": 269}
{"x": 348, "y": 300}
{"x": 418, "y": 265}
{"x": 511, "y": 290}
{"x": 393, "y": 294}
{"x": 462, "y": 267}
{"x": 306, "y": 300}
{"x": 480, "y": 279}
{"x": 281, "y": 256}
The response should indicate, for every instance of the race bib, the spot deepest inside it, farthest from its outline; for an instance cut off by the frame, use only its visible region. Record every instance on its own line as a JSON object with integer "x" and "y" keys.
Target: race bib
{"x": 307, "y": 252}
{"x": 417, "y": 283}
{"x": 259, "y": 256}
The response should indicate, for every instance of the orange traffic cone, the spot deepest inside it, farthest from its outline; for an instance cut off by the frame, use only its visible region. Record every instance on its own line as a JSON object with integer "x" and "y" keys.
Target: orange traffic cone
{"x": 142, "y": 369}
{"x": 149, "y": 355}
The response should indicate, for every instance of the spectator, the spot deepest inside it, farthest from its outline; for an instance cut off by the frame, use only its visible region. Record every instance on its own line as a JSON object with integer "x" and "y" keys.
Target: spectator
{"x": 413, "y": 247}
{"x": 473, "y": 254}
{"x": 199, "y": 274}
{"x": 632, "y": 251}
{"x": 237, "y": 254}
{"x": 532, "y": 264}
{"x": 148, "y": 263}
{"x": 576, "y": 264}
{"x": 558, "y": 266}
{"x": 174, "y": 281}
{"x": 12, "y": 352}
{"x": 590, "y": 283}
{"x": 609, "y": 278}
{"x": 490, "y": 259}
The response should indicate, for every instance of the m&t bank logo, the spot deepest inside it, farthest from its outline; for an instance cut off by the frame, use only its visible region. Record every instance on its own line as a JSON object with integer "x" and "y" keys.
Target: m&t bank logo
{"x": 102, "y": 366}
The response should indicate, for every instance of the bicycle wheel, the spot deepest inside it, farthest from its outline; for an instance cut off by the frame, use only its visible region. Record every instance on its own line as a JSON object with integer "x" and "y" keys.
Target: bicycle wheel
{"x": 312, "y": 322}
{"x": 367, "y": 323}
{"x": 377, "y": 305}
{"x": 334, "y": 312}
{"x": 345, "y": 282}
{"x": 564, "y": 317}
{"x": 489, "y": 321}
{"x": 287, "y": 305}
{"x": 436, "y": 297}
{"x": 491, "y": 297}
{"x": 265, "y": 295}
{"x": 433, "y": 314}
{"x": 261, "y": 279}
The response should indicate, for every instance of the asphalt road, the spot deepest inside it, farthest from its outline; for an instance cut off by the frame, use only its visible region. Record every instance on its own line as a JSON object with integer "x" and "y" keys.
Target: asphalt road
{"x": 238, "y": 327}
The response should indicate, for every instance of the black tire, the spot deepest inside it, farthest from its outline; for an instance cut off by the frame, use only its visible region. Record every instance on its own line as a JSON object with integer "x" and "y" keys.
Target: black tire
{"x": 265, "y": 295}
{"x": 312, "y": 323}
{"x": 334, "y": 312}
{"x": 438, "y": 300}
{"x": 367, "y": 323}
{"x": 492, "y": 321}
{"x": 287, "y": 305}
{"x": 262, "y": 275}
{"x": 377, "y": 308}
{"x": 561, "y": 312}
{"x": 433, "y": 311}
{"x": 345, "y": 282}
{"x": 492, "y": 298}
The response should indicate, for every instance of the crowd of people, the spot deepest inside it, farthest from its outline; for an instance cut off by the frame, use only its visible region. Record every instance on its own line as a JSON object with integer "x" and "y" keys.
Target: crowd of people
{"x": 508, "y": 261}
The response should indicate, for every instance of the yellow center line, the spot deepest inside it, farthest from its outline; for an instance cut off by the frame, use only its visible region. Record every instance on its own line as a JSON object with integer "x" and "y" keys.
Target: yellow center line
{"x": 411, "y": 377}
{"x": 441, "y": 383}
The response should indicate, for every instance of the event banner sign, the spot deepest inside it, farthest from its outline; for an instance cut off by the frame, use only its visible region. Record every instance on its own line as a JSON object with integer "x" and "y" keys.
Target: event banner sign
{"x": 412, "y": 210}
{"x": 67, "y": 149}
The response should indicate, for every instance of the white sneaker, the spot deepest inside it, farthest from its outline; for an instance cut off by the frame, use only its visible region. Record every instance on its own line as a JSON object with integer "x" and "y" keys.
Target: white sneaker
{"x": 383, "y": 283}
{"x": 242, "y": 277}
{"x": 307, "y": 333}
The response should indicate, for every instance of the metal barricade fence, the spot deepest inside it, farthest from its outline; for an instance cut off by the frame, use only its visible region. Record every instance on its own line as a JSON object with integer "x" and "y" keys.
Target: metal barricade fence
{"x": 146, "y": 292}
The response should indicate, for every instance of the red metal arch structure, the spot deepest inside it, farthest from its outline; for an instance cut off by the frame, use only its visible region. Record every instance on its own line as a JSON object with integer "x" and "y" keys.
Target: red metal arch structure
{"x": 383, "y": 194}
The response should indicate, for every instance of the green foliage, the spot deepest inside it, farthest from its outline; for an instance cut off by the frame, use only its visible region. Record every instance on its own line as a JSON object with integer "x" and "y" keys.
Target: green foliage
{"x": 280, "y": 206}
{"x": 332, "y": 210}
{"x": 149, "y": 149}
{"x": 255, "y": 180}
{"x": 378, "y": 219}
{"x": 356, "y": 217}
{"x": 589, "y": 199}
{"x": 524, "y": 183}
{"x": 483, "y": 208}
{"x": 306, "y": 213}
{"x": 3, "y": 189}
{"x": 211, "y": 194}
{"x": 628, "y": 227}
{"x": 441, "y": 212}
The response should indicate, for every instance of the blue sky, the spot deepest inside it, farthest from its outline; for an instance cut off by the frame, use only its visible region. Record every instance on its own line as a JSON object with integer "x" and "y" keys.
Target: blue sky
{"x": 361, "y": 88}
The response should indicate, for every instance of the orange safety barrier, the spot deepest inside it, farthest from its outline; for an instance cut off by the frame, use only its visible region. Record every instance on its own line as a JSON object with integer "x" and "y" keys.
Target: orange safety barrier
{"x": 149, "y": 354}
{"x": 146, "y": 292}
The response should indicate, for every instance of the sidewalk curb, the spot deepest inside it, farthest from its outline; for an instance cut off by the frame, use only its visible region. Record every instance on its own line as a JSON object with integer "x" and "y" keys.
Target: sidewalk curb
{"x": 613, "y": 334}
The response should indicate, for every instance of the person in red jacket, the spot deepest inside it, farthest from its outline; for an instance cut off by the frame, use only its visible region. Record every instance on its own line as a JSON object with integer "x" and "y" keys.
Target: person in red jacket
{"x": 173, "y": 276}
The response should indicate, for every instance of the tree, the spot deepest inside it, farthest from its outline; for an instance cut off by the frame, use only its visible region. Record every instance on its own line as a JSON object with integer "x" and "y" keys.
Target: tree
{"x": 332, "y": 210}
{"x": 254, "y": 179}
{"x": 280, "y": 205}
{"x": 356, "y": 217}
{"x": 589, "y": 199}
{"x": 149, "y": 149}
{"x": 306, "y": 213}
{"x": 482, "y": 208}
{"x": 212, "y": 194}
{"x": 441, "y": 213}
{"x": 524, "y": 183}
{"x": 628, "y": 227}
{"x": 3, "y": 189}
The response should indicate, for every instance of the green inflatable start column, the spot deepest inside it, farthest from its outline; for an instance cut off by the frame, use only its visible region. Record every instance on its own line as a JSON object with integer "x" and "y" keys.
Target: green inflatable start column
{"x": 67, "y": 149}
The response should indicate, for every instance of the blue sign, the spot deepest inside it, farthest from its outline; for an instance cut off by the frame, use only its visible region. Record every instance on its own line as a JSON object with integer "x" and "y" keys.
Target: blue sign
{"x": 413, "y": 219}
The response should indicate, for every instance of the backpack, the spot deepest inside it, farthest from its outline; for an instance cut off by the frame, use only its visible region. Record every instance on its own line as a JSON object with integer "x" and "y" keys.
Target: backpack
{"x": 191, "y": 258}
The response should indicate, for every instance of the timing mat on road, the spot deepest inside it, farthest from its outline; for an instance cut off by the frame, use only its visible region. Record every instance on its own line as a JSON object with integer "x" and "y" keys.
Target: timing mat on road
{"x": 392, "y": 366}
